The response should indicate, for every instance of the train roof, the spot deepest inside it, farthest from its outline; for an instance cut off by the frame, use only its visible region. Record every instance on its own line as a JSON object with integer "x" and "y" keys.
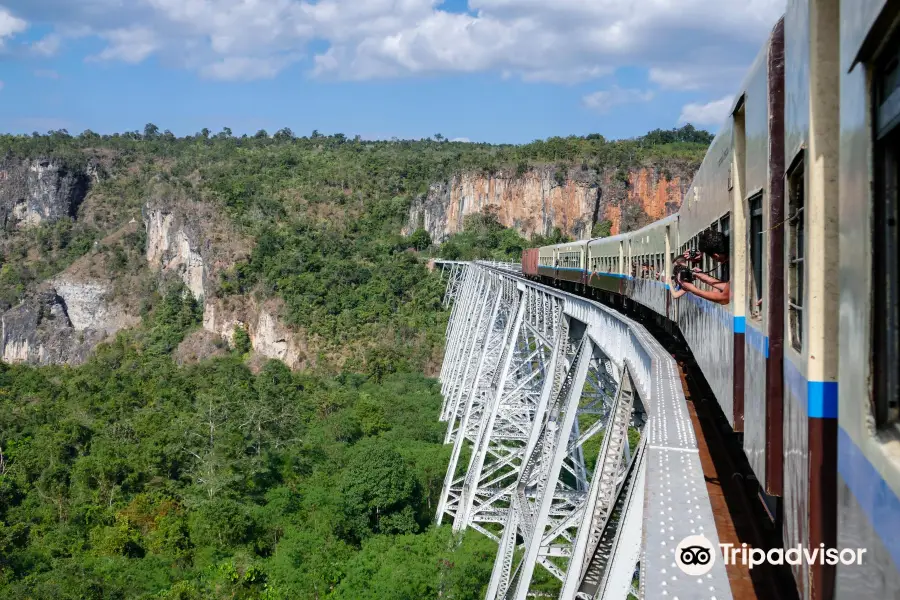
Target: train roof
{"x": 567, "y": 245}
{"x": 613, "y": 238}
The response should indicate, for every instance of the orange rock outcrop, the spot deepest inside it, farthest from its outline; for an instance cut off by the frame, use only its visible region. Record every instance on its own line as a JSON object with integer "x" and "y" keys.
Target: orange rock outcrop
{"x": 541, "y": 199}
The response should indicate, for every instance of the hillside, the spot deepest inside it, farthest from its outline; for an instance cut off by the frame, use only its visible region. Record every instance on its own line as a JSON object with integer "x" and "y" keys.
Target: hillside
{"x": 148, "y": 446}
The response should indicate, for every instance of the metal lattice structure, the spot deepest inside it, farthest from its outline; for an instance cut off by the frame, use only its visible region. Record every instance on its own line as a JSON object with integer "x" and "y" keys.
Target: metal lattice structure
{"x": 570, "y": 417}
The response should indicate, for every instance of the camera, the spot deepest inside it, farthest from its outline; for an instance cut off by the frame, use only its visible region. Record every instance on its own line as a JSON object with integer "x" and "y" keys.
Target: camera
{"x": 683, "y": 273}
{"x": 693, "y": 255}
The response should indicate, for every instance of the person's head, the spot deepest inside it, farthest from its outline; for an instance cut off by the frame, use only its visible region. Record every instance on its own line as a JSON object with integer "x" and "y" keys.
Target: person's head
{"x": 715, "y": 244}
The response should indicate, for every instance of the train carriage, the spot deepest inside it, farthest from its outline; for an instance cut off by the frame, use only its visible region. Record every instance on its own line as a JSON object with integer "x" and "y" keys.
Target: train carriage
{"x": 803, "y": 181}
{"x": 547, "y": 262}
{"x": 570, "y": 261}
{"x": 868, "y": 437}
{"x": 607, "y": 264}
{"x": 758, "y": 149}
{"x": 708, "y": 327}
{"x": 809, "y": 309}
{"x": 651, "y": 263}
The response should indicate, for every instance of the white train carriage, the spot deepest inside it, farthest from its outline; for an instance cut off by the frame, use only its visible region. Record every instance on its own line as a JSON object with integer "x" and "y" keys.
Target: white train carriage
{"x": 570, "y": 262}
{"x": 651, "y": 263}
{"x": 868, "y": 433}
{"x": 803, "y": 179}
{"x": 810, "y": 350}
{"x": 607, "y": 263}
{"x": 758, "y": 192}
{"x": 708, "y": 327}
{"x": 547, "y": 262}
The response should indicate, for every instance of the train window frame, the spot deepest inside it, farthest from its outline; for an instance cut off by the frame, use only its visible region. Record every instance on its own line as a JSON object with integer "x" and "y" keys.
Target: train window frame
{"x": 756, "y": 252}
{"x": 885, "y": 240}
{"x": 796, "y": 249}
{"x": 724, "y": 269}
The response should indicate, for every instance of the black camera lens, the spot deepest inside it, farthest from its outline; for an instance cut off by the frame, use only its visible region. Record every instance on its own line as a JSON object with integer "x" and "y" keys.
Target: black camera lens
{"x": 683, "y": 273}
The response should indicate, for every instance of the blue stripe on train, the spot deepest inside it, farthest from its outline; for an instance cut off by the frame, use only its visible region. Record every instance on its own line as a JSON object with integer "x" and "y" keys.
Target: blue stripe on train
{"x": 758, "y": 340}
{"x": 821, "y": 396}
{"x": 877, "y": 500}
{"x": 822, "y": 402}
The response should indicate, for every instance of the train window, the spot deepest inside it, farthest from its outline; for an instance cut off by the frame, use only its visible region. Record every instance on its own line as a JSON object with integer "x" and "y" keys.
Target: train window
{"x": 885, "y": 259}
{"x": 724, "y": 272}
{"x": 756, "y": 253}
{"x": 796, "y": 253}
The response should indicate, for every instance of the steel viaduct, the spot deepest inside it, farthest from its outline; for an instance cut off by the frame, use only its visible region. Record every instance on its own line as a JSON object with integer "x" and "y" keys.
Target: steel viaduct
{"x": 573, "y": 448}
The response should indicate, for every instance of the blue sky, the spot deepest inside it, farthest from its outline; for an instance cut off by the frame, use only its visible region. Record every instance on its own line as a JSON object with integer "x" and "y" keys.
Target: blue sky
{"x": 484, "y": 70}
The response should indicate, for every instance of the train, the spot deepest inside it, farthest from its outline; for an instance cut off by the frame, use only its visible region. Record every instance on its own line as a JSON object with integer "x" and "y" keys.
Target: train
{"x": 804, "y": 356}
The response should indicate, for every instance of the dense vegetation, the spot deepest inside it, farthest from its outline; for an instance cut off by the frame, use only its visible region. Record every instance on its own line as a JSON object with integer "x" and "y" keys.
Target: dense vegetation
{"x": 130, "y": 477}
{"x": 134, "y": 477}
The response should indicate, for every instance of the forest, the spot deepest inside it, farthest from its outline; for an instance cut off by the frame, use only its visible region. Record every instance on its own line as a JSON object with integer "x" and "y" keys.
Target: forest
{"x": 137, "y": 476}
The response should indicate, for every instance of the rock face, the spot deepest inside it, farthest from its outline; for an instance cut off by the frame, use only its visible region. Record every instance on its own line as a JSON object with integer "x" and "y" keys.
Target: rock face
{"x": 541, "y": 199}
{"x": 191, "y": 241}
{"x": 174, "y": 242}
{"x": 39, "y": 190}
{"x": 269, "y": 336}
{"x": 40, "y": 331}
{"x": 88, "y": 305}
{"x": 61, "y": 323}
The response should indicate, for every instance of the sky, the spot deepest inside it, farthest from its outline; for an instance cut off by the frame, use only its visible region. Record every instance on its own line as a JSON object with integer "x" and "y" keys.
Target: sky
{"x": 502, "y": 71}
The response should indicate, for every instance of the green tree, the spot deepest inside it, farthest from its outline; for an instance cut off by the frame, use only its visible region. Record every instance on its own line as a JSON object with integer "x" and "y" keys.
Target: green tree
{"x": 241, "y": 341}
{"x": 379, "y": 493}
{"x": 420, "y": 239}
{"x": 602, "y": 229}
{"x": 151, "y": 131}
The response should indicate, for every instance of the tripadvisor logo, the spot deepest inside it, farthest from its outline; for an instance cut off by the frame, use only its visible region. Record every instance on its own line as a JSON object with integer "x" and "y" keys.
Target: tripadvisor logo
{"x": 695, "y": 555}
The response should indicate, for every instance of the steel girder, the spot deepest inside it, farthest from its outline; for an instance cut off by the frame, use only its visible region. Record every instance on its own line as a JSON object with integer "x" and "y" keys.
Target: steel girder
{"x": 542, "y": 388}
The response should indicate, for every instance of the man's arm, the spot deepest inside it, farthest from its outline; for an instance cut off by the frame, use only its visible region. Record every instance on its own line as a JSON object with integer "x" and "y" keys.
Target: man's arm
{"x": 711, "y": 281}
{"x": 714, "y": 295}
{"x": 675, "y": 288}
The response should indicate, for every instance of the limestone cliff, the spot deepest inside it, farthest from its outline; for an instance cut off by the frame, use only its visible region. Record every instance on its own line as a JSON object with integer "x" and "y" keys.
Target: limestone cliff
{"x": 40, "y": 331}
{"x": 541, "y": 199}
{"x": 39, "y": 190}
{"x": 191, "y": 241}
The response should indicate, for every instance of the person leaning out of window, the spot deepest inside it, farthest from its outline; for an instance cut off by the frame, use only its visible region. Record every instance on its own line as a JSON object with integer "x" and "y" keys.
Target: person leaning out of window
{"x": 715, "y": 245}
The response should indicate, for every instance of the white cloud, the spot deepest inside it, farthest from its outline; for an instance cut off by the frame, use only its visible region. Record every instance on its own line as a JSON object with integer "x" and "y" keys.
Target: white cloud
{"x": 694, "y": 77}
{"x": 605, "y": 100}
{"x": 711, "y": 113}
{"x": 131, "y": 45}
{"x": 48, "y": 45}
{"x": 235, "y": 68}
{"x": 464, "y": 140}
{"x": 535, "y": 40}
{"x": 10, "y": 25}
